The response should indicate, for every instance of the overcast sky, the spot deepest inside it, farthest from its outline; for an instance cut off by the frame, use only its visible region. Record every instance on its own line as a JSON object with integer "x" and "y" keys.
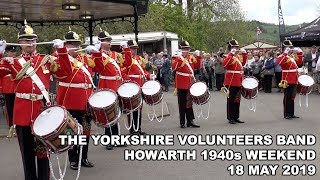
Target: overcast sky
{"x": 294, "y": 11}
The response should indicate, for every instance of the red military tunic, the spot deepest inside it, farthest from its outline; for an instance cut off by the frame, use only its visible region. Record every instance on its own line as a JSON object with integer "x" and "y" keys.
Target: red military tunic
{"x": 26, "y": 110}
{"x": 110, "y": 77}
{"x": 197, "y": 64}
{"x": 135, "y": 68}
{"x": 8, "y": 85}
{"x": 289, "y": 65}
{"x": 234, "y": 69}
{"x": 76, "y": 98}
{"x": 184, "y": 72}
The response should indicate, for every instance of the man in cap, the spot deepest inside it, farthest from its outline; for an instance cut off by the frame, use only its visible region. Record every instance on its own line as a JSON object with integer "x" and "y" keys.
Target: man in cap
{"x": 8, "y": 88}
{"x": 135, "y": 71}
{"x": 289, "y": 60}
{"x": 110, "y": 77}
{"x": 75, "y": 89}
{"x": 182, "y": 64}
{"x": 233, "y": 63}
{"x": 31, "y": 90}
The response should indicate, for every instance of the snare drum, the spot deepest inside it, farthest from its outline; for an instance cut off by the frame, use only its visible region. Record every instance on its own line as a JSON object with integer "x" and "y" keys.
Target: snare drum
{"x": 104, "y": 107}
{"x": 305, "y": 84}
{"x": 130, "y": 98}
{"x": 152, "y": 92}
{"x": 199, "y": 93}
{"x": 51, "y": 123}
{"x": 249, "y": 89}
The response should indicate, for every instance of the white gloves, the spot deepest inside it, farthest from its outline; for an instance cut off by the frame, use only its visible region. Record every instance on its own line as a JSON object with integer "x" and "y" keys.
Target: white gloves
{"x": 153, "y": 76}
{"x": 297, "y": 49}
{"x": 233, "y": 51}
{"x": 3, "y": 45}
{"x": 124, "y": 44}
{"x": 98, "y": 45}
{"x": 287, "y": 50}
{"x": 243, "y": 50}
{"x": 197, "y": 53}
{"x": 91, "y": 49}
{"x": 58, "y": 43}
{"x": 178, "y": 53}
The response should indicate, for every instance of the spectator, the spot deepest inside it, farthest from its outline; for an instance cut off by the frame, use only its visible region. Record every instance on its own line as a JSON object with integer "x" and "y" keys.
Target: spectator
{"x": 206, "y": 70}
{"x": 219, "y": 71}
{"x": 166, "y": 67}
{"x": 256, "y": 67}
{"x": 317, "y": 75}
{"x": 268, "y": 72}
{"x": 153, "y": 57}
{"x": 278, "y": 72}
{"x": 247, "y": 67}
{"x": 310, "y": 60}
{"x": 158, "y": 63}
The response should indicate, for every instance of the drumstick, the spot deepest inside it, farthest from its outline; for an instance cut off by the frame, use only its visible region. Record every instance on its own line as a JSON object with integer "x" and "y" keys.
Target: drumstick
{"x": 49, "y": 42}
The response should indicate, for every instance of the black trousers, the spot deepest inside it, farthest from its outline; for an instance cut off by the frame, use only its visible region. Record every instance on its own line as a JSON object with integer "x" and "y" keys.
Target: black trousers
{"x": 9, "y": 99}
{"x": 135, "y": 120}
{"x": 278, "y": 76}
{"x": 184, "y": 112}
{"x": 268, "y": 83}
{"x": 288, "y": 100}
{"x": 27, "y": 149}
{"x": 219, "y": 81}
{"x": 209, "y": 81}
{"x": 75, "y": 150}
{"x": 233, "y": 103}
{"x": 113, "y": 130}
{"x": 259, "y": 80}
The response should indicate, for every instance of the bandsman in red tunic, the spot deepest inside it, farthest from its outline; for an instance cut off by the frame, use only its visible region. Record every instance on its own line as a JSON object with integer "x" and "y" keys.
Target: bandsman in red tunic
{"x": 31, "y": 90}
{"x": 233, "y": 63}
{"x": 8, "y": 90}
{"x": 135, "y": 71}
{"x": 182, "y": 64}
{"x": 75, "y": 89}
{"x": 110, "y": 77}
{"x": 289, "y": 61}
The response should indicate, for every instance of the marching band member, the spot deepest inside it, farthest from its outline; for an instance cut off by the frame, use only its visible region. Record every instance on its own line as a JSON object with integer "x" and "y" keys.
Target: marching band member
{"x": 31, "y": 88}
{"x": 289, "y": 63}
{"x": 75, "y": 89}
{"x": 182, "y": 64}
{"x": 110, "y": 77}
{"x": 233, "y": 63}
{"x": 135, "y": 71}
{"x": 8, "y": 88}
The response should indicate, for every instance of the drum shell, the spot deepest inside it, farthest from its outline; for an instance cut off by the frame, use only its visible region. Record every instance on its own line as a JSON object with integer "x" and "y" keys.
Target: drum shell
{"x": 249, "y": 93}
{"x": 153, "y": 99}
{"x": 302, "y": 89}
{"x": 106, "y": 116}
{"x": 133, "y": 103}
{"x": 202, "y": 99}
{"x": 69, "y": 126}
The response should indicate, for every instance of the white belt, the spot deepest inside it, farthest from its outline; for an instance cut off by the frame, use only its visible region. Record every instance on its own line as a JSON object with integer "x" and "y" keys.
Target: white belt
{"x": 78, "y": 85}
{"x": 237, "y": 72}
{"x": 136, "y": 76}
{"x": 184, "y": 74}
{"x": 290, "y": 70}
{"x": 31, "y": 97}
{"x": 110, "y": 77}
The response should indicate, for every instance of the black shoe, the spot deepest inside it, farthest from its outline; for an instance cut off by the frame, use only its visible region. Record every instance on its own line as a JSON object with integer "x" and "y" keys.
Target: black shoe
{"x": 121, "y": 145}
{"x": 295, "y": 116}
{"x": 238, "y": 121}
{"x": 134, "y": 133}
{"x": 141, "y": 133}
{"x": 279, "y": 90}
{"x": 86, "y": 163}
{"x": 232, "y": 122}
{"x": 74, "y": 165}
{"x": 193, "y": 125}
{"x": 109, "y": 147}
{"x": 182, "y": 126}
{"x": 288, "y": 117}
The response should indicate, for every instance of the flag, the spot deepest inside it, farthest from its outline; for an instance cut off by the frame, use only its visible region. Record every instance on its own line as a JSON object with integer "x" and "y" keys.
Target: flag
{"x": 258, "y": 31}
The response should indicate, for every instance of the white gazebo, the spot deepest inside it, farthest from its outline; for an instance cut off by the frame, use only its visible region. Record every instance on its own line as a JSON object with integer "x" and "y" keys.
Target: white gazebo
{"x": 258, "y": 45}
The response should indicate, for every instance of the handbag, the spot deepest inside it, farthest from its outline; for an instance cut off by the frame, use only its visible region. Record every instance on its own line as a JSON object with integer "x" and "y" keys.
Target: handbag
{"x": 267, "y": 72}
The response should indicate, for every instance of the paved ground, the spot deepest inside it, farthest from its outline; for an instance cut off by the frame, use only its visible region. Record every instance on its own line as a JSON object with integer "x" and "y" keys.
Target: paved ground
{"x": 268, "y": 119}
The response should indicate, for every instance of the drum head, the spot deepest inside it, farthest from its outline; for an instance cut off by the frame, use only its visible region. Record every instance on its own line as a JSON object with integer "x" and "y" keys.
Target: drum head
{"x": 198, "y": 89}
{"x": 151, "y": 88}
{"x": 128, "y": 90}
{"x": 102, "y": 99}
{"x": 306, "y": 80}
{"x": 48, "y": 121}
{"x": 250, "y": 83}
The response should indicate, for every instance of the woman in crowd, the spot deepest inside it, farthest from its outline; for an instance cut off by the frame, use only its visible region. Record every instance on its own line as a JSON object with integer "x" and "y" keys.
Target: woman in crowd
{"x": 256, "y": 67}
{"x": 278, "y": 72}
{"x": 268, "y": 72}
